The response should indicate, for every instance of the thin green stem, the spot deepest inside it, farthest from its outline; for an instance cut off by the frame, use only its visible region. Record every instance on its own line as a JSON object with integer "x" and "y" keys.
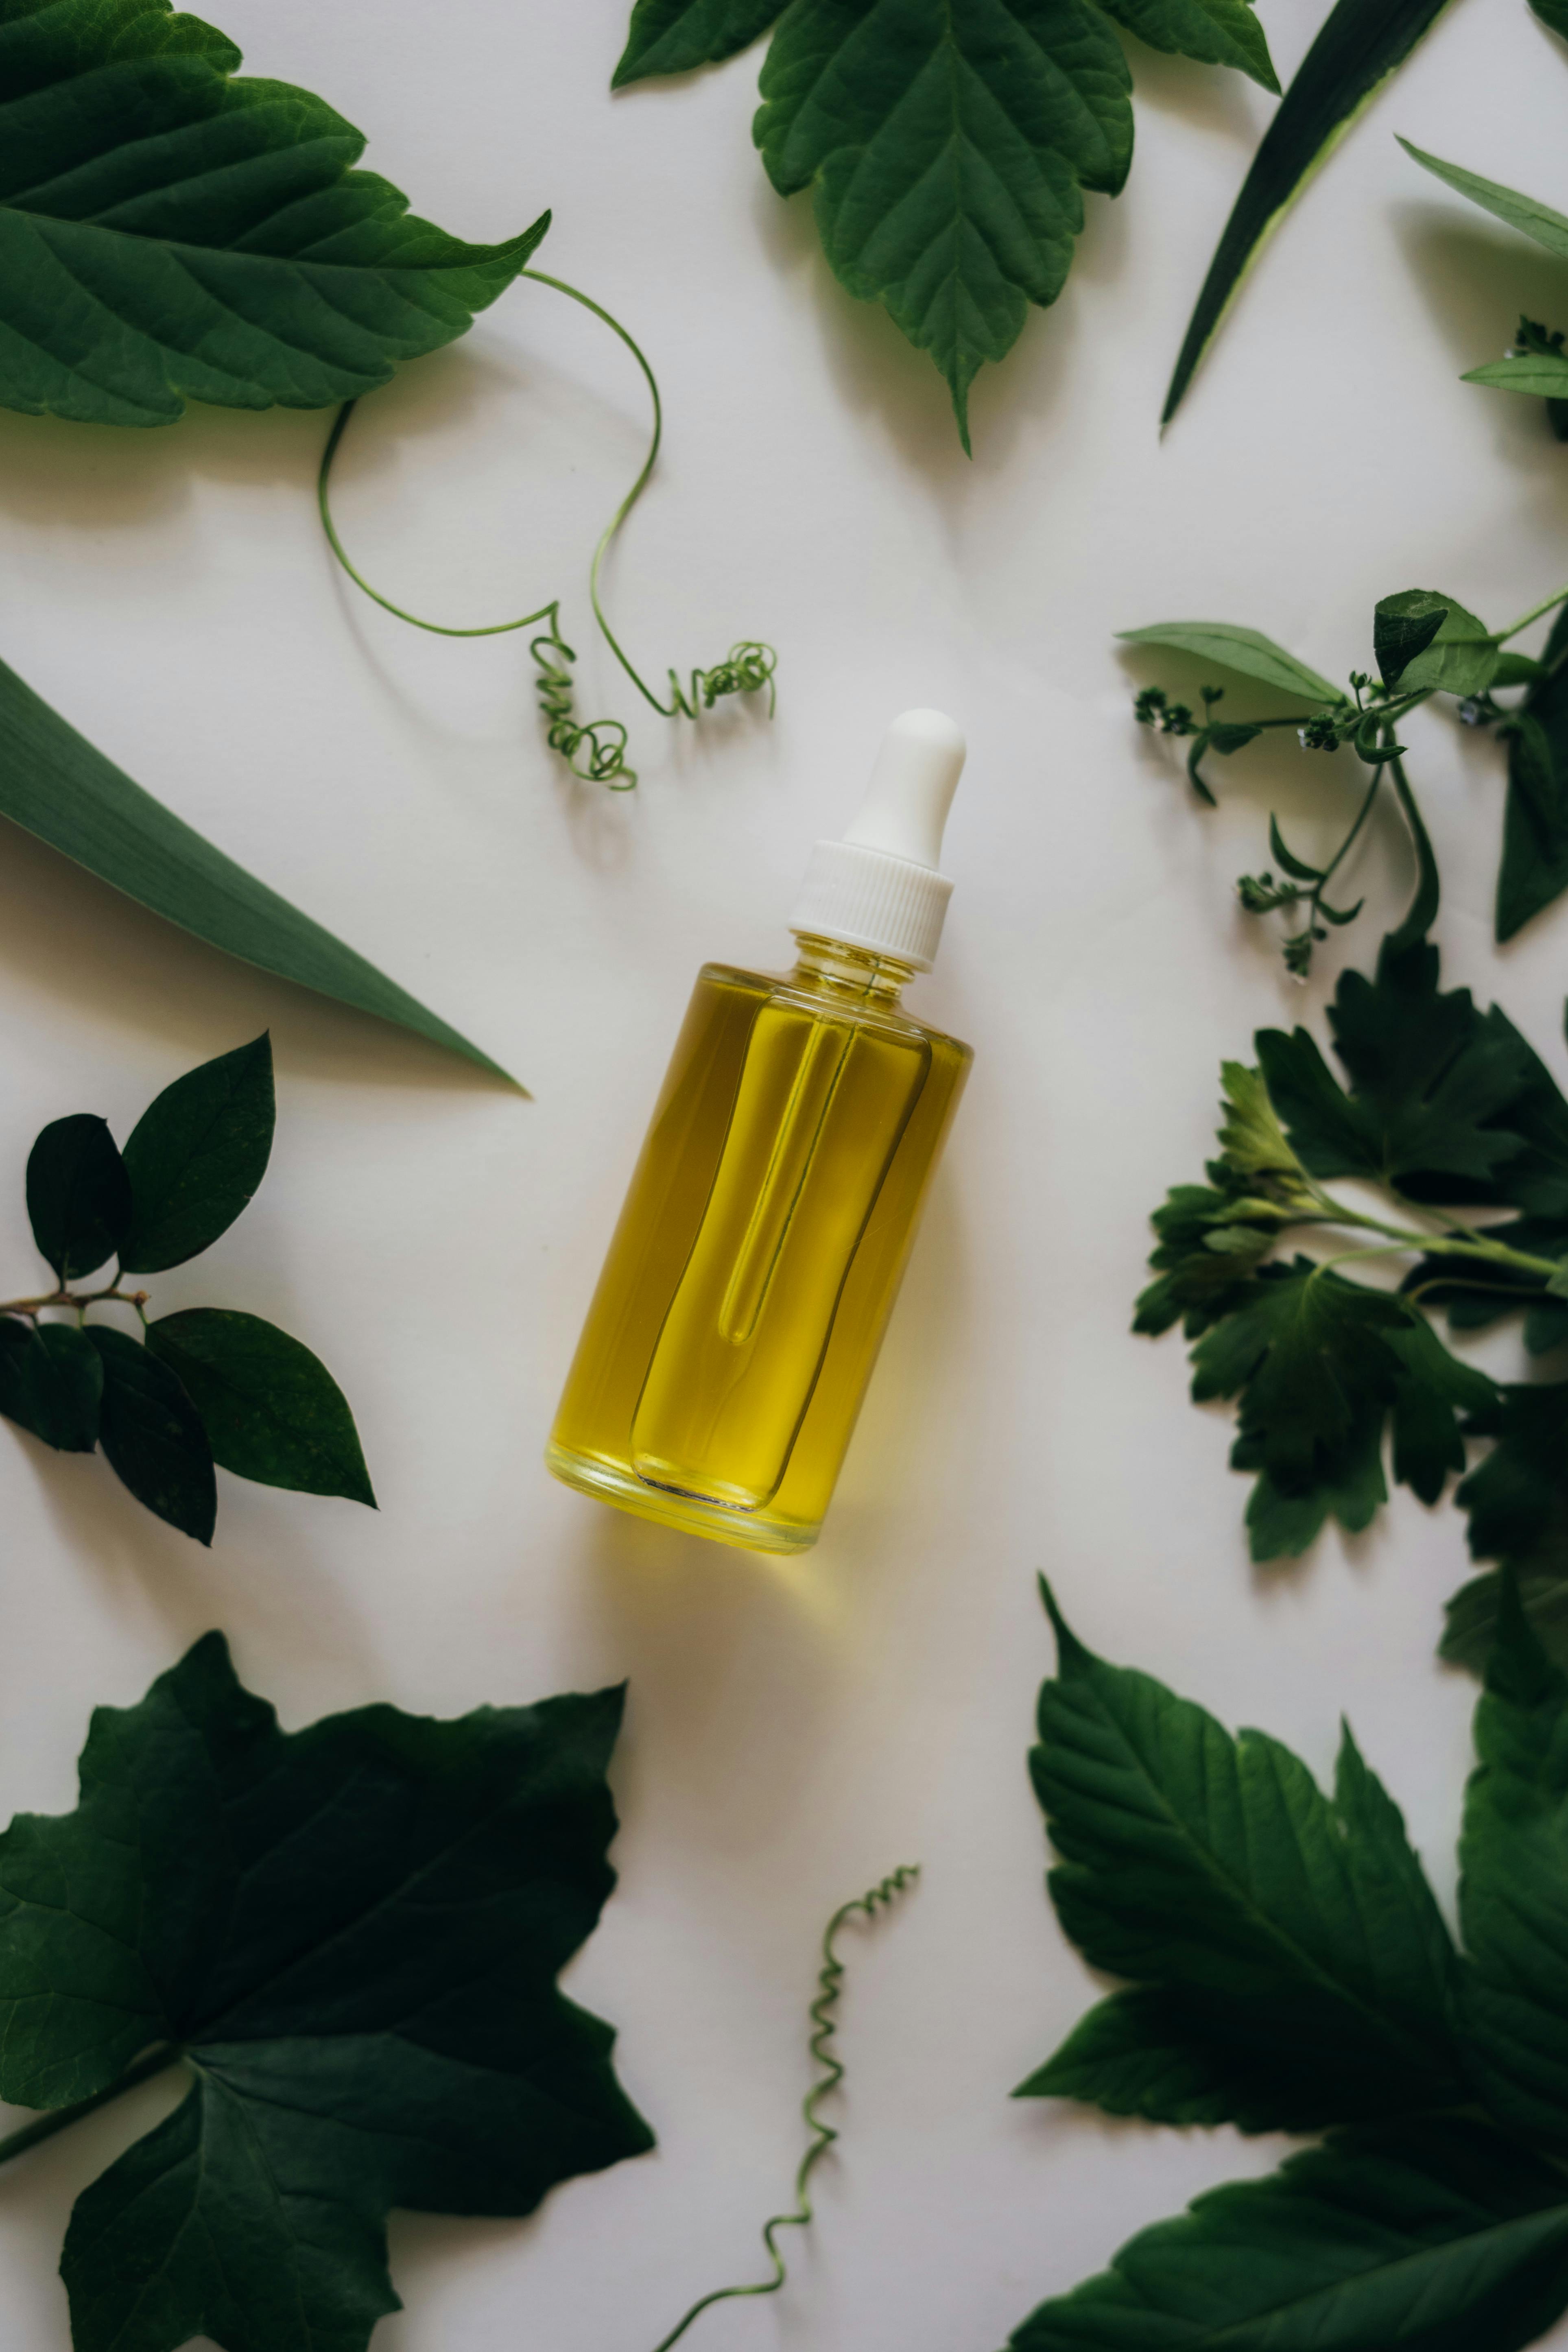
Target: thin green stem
{"x": 829, "y": 1982}
{"x": 1558, "y": 596}
{"x": 56, "y": 2119}
{"x": 1446, "y": 1243}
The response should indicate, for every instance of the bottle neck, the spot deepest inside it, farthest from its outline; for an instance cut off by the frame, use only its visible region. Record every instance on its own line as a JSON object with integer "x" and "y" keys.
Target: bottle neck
{"x": 854, "y": 974}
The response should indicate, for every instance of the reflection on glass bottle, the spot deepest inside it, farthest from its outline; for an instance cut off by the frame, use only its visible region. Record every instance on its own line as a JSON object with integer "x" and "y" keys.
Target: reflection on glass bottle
{"x": 760, "y": 1250}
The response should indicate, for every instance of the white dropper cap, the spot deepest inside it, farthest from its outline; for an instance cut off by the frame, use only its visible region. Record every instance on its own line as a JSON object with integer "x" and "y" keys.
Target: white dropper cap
{"x": 878, "y": 887}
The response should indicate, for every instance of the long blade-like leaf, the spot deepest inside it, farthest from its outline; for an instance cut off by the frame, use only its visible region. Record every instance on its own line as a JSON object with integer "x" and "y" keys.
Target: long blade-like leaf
{"x": 55, "y": 784}
{"x": 1522, "y": 213}
{"x": 1360, "y": 45}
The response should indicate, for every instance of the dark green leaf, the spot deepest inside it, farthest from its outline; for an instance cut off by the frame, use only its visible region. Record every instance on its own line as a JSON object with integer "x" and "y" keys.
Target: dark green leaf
{"x": 1290, "y": 1965}
{"x": 1554, "y": 13}
{"x": 55, "y": 785}
{"x": 168, "y": 233}
{"x": 1246, "y": 651}
{"x": 354, "y": 1932}
{"x": 1362, "y": 43}
{"x": 79, "y": 1195}
{"x": 1522, "y": 213}
{"x": 945, "y": 147}
{"x": 151, "y": 1438}
{"x": 1471, "y": 1617}
{"x": 1517, "y": 669}
{"x": 1287, "y": 859}
{"x": 50, "y": 1382}
{"x": 669, "y": 37}
{"x": 1434, "y": 1081}
{"x": 1403, "y": 627}
{"x": 1436, "y": 1388}
{"x": 196, "y": 1155}
{"x": 1213, "y": 32}
{"x": 271, "y": 1410}
{"x": 1460, "y": 659}
{"x": 1534, "y": 869}
{"x": 1442, "y": 2238}
{"x": 1513, "y": 1886}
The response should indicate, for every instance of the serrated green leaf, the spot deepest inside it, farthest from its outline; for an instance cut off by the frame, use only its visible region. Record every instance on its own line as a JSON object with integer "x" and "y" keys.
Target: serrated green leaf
{"x": 946, "y": 146}
{"x": 1250, "y": 1135}
{"x": 79, "y": 1195}
{"x": 1543, "y": 375}
{"x": 1360, "y": 44}
{"x": 1446, "y": 2238}
{"x": 1535, "y": 868}
{"x": 169, "y": 233}
{"x": 670, "y": 37}
{"x": 54, "y": 783}
{"x": 1290, "y": 1965}
{"x": 1513, "y": 1884}
{"x": 271, "y": 1410}
{"x": 1536, "y": 221}
{"x": 353, "y": 1933}
{"x": 1212, "y": 32}
{"x": 196, "y": 1155}
{"x": 50, "y": 1384}
{"x": 1246, "y": 651}
{"x": 151, "y": 1436}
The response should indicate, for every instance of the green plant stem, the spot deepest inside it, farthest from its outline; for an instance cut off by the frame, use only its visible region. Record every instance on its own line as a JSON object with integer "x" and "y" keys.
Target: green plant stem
{"x": 1448, "y": 1244}
{"x": 1558, "y": 596}
{"x": 829, "y": 1983}
{"x": 56, "y": 2119}
{"x": 80, "y": 1300}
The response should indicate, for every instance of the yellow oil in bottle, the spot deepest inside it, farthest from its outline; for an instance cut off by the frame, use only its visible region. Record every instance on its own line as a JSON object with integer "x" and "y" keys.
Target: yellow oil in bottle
{"x": 757, "y": 1258}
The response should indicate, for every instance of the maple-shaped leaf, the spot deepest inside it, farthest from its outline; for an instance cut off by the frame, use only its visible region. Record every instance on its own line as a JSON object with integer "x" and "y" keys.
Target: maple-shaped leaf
{"x": 350, "y": 1936}
{"x": 169, "y": 233}
{"x": 947, "y": 142}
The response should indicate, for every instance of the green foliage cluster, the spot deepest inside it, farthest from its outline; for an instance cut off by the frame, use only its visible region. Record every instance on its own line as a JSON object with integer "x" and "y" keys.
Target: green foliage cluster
{"x": 203, "y": 1387}
{"x": 947, "y": 142}
{"x": 347, "y": 1939}
{"x": 1286, "y": 1969}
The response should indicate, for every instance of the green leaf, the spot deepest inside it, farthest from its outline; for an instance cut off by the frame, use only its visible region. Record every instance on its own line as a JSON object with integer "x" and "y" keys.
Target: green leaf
{"x": 1442, "y": 2238}
{"x": 79, "y": 1195}
{"x": 271, "y": 1410}
{"x": 945, "y": 146}
{"x": 1291, "y": 1966}
{"x": 1213, "y": 32}
{"x": 352, "y": 1933}
{"x": 1554, "y": 13}
{"x": 1522, "y": 213}
{"x": 1434, "y": 1083}
{"x": 669, "y": 37}
{"x": 196, "y": 1155}
{"x": 1250, "y": 1135}
{"x": 169, "y": 233}
{"x": 1513, "y": 1886}
{"x": 1534, "y": 869}
{"x": 1541, "y": 374}
{"x": 1472, "y": 1617}
{"x": 50, "y": 1384}
{"x": 1285, "y": 857}
{"x": 152, "y": 1437}
{"x": 55, "y": 785}
{"x": 1461, "y": 657}
{"x": 1360, "y": 44}
{"x": 1246, "y": 651}
{"x": 1403, "y": 627}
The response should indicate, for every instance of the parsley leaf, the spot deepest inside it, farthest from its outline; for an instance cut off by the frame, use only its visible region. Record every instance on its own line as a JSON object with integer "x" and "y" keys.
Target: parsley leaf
{"x": 350, "y": 1936}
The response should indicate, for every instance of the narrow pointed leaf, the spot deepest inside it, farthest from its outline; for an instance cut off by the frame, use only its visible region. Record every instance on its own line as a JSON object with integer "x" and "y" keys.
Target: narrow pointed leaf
{"x": 195, "y": 1157}
{"x": 271, "y": 1410}
{"x": 1360, "y": 46}
{"x": 1522, "y": 213}
{"x": 169, "y": 232}
{"x": 55, "y": 784}
{"x": 1543, "y": 375}
{"x": 1246, "y": 651}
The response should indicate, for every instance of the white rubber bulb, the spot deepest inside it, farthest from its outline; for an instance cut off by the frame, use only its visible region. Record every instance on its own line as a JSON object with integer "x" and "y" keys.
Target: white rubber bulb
{"x": 912, "y": 788}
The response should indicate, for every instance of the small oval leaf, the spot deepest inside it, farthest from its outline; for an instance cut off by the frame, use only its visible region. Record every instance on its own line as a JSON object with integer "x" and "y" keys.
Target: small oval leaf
{"x": 79, "y": 1195}
{"x": 271, "y": 1410}
{"x": 195, "y": 1157}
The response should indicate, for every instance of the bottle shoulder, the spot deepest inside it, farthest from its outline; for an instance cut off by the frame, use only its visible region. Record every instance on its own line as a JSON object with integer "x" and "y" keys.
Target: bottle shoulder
{"x": 788, "y": 991}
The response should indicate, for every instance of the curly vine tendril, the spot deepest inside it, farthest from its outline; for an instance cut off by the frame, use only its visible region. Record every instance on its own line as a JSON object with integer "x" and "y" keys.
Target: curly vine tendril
{"x": 829, "y": 1984}
{"x": 596, "y": 749}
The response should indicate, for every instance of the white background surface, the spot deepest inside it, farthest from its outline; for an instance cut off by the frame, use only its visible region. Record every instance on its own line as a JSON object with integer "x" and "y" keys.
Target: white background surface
{"x": 794, "y": 1731}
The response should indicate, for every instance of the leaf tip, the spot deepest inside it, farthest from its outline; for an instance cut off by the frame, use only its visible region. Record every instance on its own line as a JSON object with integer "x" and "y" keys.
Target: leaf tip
{"x": 1070, "y": 1651}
